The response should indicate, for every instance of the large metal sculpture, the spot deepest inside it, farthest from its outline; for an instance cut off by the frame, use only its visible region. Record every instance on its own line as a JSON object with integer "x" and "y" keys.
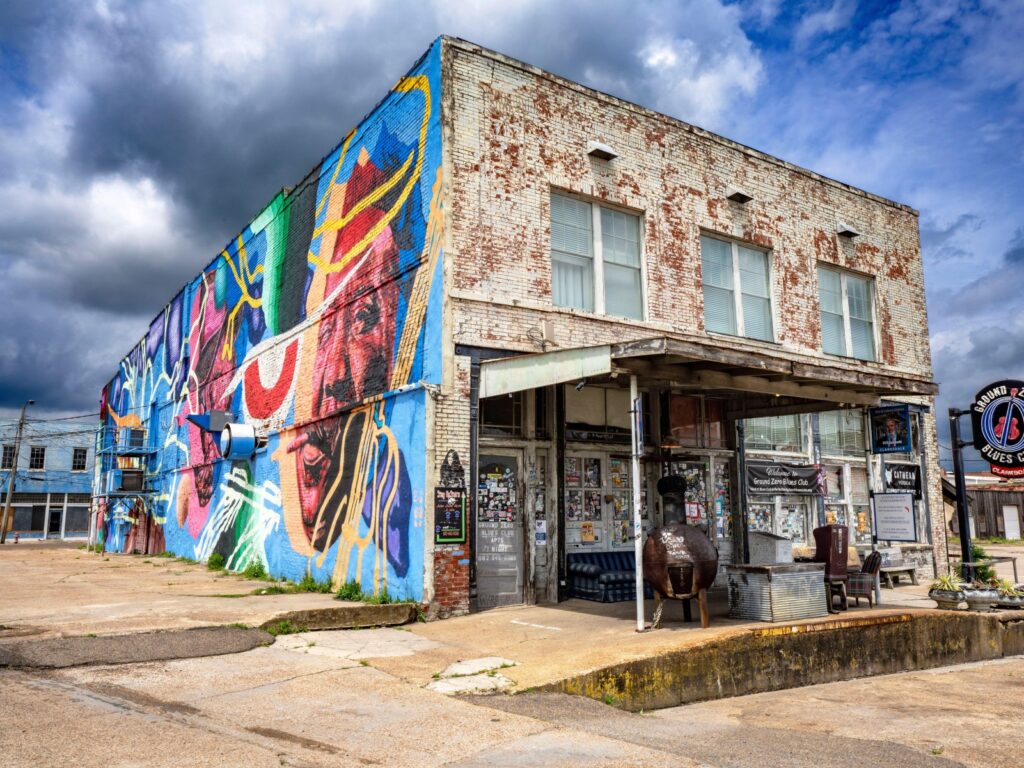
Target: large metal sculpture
{"x": 680, "y": 562}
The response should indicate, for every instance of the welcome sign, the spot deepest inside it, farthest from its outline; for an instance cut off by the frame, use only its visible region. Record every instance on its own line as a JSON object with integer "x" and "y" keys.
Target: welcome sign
{"x": 997, "y": 418}
{"x": 785, "y": 479}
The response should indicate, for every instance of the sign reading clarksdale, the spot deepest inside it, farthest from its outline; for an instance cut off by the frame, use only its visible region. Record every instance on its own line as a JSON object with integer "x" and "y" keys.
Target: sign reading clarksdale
{"x": 890, "y": 429}
{"x": 997, "y": 419}
{"x": 775, "y": 479}
{"x": 894, "y": 516}
{"x": 903, "y": 478}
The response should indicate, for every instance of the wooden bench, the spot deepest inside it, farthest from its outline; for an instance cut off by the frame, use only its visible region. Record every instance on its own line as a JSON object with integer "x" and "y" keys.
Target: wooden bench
{"x": 891, "y": 574}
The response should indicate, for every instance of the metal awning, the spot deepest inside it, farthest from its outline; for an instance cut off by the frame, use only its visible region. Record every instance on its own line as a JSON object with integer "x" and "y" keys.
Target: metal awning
{"x": 758, "y": 383}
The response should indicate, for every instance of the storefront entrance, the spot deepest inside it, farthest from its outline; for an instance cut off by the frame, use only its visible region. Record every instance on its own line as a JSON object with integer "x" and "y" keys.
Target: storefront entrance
{"x": 500, "y": 540}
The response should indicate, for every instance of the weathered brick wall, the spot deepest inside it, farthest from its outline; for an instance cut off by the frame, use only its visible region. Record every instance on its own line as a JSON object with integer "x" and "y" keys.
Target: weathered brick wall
{"x": 520, "y": 132}
{"x": 513, "y": 133}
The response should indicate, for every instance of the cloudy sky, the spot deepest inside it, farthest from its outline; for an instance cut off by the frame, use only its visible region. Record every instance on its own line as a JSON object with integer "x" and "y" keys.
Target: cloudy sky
{"x": 137, "y": 137}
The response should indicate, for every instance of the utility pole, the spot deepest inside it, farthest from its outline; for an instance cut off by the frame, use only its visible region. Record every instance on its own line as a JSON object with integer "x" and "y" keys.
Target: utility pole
{"x": 962, "y": 510}
{"x": 14, "y": 472}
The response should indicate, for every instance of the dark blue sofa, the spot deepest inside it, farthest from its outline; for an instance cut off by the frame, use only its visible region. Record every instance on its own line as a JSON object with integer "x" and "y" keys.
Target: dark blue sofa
{"x": 607, "y": 577}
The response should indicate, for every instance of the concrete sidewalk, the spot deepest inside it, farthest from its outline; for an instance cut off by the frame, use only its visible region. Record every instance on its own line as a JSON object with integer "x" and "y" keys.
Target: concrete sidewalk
{"x": 59, "y": 591}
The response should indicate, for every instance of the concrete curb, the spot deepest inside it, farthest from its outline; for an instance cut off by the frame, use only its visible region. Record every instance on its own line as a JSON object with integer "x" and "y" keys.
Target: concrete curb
{"x": 347, "y": 616}
{"x": 791, "y": 656}
{"x": 134, "y": 648}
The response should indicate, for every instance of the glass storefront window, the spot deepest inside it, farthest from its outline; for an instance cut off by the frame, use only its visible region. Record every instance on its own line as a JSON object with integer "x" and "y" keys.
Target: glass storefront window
{"x": 760, "y": 517}
{"x": 775, "y": 433}
{"x": 793, "y": 521}
{"x": 721, "y": 502}
{"x": 835, "y": 514}
{"x": 861, "y": 523}
{"x": 842, "y": 433}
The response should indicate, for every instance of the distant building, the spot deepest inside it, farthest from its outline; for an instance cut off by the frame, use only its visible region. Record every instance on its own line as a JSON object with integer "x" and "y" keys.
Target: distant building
{"x": 53, "y": 485}
{"x": 424, "y": 350}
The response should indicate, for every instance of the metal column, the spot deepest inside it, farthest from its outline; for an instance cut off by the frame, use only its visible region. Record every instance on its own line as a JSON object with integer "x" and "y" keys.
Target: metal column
{"x": 636, "y": 428}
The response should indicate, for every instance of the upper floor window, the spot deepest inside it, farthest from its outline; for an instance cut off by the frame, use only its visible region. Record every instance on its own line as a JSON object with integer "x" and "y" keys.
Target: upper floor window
{"x": 774, "y": 433}
{"x": 79, "y": 459}
{"x": 737, "y": 289}
{"x": 502, "y": 416}
{"x": 595, "y": 258}
{"x": 37, "y": 457}
{"x": 842, "y": 433}
{"x": 847, "y": 314}
{"x": 7, "y": 461}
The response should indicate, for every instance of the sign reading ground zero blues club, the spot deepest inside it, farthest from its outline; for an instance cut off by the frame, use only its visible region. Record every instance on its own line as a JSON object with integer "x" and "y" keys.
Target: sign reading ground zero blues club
{"x": 997, "y": 416}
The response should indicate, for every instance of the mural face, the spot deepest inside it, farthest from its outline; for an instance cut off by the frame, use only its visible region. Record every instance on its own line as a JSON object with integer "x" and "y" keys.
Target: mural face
{"x": 315, "y": 325}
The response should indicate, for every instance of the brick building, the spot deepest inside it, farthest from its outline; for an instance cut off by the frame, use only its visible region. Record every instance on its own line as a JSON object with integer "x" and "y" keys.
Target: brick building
{"x": 450, "y": 308}
{"x": 54, "y": 478}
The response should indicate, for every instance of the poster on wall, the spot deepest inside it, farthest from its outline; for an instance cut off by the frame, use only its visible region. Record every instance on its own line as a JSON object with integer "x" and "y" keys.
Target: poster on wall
{"x": 779, "y": 479}
{"x": 588, "y": 534}
{"x": 572, "y": 471}
{"x": 449, "y": 516}
{"x": 894, "y": 516}
{"x": 997, "y": 421}
{"x": 890, "y": 429}
{"x": 574, "y": 505}
{"x": 903, "y": 478}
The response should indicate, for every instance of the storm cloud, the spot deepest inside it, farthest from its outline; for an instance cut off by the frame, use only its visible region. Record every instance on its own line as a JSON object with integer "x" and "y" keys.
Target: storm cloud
{"x": 137, "y": 138}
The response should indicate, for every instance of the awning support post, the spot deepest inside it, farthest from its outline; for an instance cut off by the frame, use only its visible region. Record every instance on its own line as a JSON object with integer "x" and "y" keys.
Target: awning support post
{"x": 636, "y": 427}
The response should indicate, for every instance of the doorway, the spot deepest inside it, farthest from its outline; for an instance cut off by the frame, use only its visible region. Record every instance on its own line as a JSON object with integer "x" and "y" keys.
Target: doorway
{"x": 53, "y": 524}
{"x": 500, "y": 538}
{"x": 1011, "y": 521}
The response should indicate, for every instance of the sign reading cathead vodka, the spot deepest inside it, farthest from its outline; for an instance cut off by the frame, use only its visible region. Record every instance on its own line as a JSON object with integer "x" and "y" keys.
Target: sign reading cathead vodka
{"x": 997, "y": 418}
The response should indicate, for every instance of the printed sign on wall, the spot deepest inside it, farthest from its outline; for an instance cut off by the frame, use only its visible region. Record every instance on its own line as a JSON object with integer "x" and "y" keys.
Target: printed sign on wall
{"x": 904, "y": 478}
{"x": 449, "y": 516}
{"x": 894, "y": 516}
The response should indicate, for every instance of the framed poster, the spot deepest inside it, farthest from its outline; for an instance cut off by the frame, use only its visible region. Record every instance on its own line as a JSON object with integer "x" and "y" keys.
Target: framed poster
{"x": 449, "y": 516}
{"x": 890, "y": 429}
{"x": 894, "y": 516}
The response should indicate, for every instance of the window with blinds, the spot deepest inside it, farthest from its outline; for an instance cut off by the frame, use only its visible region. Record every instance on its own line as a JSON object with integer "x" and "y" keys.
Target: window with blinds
{"x": 774, "y": 433}
{"x": 737, "y": 289}
{"x": 847, "y": 314}
{"x": 595, "y": 258}
{"x": 842, "y": 433}
{"x": 572, "y": 254}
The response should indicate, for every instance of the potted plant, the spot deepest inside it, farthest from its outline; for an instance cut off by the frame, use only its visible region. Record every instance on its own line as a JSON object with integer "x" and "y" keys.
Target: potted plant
{"x": 980, "y": 596}
{"x": 947, "y": 591}
{"x": 1009, "y": 595}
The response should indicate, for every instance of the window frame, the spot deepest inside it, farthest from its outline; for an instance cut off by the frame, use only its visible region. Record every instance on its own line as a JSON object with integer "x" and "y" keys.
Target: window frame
{"x": 737, "y": 286}
{"x": 597, "y": 255}
{"x": 844, "y": 298}
{"x": 85, "y": 459}
{"x": 4, "y": 463}
{"x": 32, "y": 460}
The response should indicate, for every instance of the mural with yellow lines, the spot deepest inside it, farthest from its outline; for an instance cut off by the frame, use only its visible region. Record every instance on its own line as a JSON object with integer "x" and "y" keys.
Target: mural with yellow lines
{"x": 319, "y": 324}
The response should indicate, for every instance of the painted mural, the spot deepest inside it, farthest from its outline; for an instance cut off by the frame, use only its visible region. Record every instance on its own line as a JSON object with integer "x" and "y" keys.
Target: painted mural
{"x": 319, "y": 324}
